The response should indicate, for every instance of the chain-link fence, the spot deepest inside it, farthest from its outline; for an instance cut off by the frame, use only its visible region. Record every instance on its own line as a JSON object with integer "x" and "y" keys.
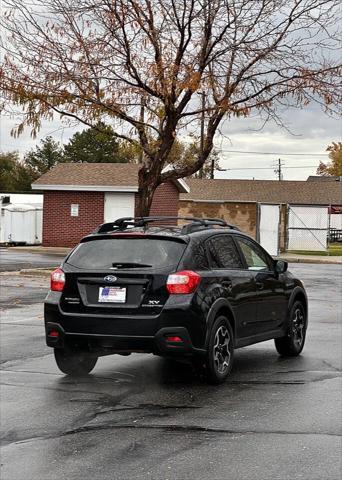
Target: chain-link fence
{"x": 308, "y": 228}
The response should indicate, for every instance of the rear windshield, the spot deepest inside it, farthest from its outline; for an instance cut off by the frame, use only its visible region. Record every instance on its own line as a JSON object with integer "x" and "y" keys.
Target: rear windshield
{"x": 127, "y": 253}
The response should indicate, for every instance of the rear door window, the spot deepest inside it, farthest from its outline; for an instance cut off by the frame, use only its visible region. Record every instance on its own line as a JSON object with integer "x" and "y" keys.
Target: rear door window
{"x": 223, "y": 252}
{"x": 127, "y": 253}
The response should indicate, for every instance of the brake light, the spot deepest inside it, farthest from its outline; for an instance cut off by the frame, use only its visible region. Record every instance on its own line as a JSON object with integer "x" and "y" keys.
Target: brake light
{"x": 57, "y": 280}
{"x": 183, "y": 282}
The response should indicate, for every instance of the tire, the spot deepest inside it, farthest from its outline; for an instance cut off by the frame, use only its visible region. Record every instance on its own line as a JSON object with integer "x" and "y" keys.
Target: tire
{"x": 293, "y": 343}
{"x": 220, "y": 352}
{"x": 75, "y": 363}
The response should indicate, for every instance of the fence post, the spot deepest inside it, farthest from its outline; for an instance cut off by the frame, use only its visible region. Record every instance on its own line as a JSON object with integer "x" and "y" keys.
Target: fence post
{"x": 329, "y": 225}
{"x": 279, "y": 230}
{"x": 257, "y": 230}
{"x": 287, "y": 216}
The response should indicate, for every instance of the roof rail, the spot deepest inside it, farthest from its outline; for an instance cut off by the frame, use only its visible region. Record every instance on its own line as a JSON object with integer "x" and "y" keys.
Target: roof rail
{"x": 195, "y": 225}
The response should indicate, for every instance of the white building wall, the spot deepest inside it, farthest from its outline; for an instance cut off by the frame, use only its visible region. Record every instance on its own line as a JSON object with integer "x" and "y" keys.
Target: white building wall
{"x": 24, "y": 198}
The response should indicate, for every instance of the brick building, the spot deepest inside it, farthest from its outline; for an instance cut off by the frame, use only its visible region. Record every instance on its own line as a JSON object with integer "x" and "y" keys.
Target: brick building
{"x": 80, "y": 196}
{"x": 280, "y": 215}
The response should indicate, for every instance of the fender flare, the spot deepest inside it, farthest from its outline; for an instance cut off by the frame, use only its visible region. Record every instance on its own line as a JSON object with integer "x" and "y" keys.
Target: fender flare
{"x": 293, "y": 295}
{"x": 212, "y": 314}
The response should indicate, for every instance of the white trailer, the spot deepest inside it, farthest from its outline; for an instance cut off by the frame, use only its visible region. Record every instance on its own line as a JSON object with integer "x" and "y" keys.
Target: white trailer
{"x": 21, "y": 223}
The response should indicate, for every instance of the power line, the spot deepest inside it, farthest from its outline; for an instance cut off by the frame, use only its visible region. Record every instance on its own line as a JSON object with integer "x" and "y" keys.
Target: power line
{"x": 265, "y": 168}
{"x": 275, "y": 153}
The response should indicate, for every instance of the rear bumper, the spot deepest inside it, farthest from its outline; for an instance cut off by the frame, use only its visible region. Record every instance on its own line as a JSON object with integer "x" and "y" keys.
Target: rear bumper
{"x": 159, "y": 344}
{"x": 129, "y": 333}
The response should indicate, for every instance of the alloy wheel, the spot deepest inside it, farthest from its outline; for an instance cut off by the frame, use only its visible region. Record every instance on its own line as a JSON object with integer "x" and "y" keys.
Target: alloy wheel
{"x": 298, "y": 327}
{"x": 221, "y": 350}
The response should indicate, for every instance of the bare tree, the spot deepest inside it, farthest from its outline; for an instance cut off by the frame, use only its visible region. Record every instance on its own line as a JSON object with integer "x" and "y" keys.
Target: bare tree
{"x": 144, "y": 65}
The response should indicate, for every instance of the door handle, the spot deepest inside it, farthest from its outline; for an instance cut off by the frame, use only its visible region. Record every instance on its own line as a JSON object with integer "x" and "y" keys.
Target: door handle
{"x": 259, "y": 285}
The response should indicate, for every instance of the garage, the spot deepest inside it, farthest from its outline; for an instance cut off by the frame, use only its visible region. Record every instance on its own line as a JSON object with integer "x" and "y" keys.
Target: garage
{"x": 118, "y": 205}
{"x": 80, "y": 196}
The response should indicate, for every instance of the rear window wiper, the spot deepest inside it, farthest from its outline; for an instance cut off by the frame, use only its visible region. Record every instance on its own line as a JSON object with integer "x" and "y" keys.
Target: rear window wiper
{"x": 130, "y": 265}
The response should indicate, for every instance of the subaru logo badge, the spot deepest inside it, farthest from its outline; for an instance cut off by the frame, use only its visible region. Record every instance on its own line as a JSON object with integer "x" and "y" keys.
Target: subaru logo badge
{"x": 110, "y": 278}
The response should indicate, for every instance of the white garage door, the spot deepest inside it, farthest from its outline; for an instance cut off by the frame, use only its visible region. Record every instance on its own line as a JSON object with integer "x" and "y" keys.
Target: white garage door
{"x": 269, "y": 228}
{"x": 118, "y": 205}
{"x": 308, "y": 227}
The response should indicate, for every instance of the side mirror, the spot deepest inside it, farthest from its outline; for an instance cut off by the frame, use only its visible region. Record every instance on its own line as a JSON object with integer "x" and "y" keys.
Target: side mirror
{"x": 281, "y": 266}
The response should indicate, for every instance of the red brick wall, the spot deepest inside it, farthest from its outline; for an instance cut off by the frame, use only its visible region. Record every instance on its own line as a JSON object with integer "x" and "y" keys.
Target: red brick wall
{"x": 60, "y": 229}
{"x": 165, "y": 201}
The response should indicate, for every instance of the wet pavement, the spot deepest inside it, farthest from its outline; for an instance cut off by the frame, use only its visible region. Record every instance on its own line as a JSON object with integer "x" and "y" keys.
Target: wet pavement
{"x": 12, "y": 260}
{"x": 141, "y": 417}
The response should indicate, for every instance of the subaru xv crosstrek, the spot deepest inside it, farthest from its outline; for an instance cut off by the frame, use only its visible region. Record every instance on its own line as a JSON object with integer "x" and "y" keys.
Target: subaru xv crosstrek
{"x": 194, "y": 292}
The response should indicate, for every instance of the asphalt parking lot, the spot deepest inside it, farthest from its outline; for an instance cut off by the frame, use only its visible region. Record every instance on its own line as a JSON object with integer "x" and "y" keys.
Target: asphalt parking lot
{"x": 13, "y": 259}
{"x": 139, "y": 417}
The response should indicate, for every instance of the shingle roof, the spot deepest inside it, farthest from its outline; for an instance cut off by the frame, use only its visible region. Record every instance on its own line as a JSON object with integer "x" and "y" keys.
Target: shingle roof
{"x": 99, "y": 176}
{"x": 266, "y": 191}
{"x": 91, "y": 174}
{"x": 122, "y": 175}
{"x": 323, "y": 178}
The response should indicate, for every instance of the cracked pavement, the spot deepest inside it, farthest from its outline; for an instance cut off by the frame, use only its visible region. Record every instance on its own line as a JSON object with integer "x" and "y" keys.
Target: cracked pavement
{"x": 141, "y": 417}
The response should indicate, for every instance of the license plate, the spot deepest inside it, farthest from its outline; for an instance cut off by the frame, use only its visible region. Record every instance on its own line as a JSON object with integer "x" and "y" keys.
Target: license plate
{"x": 112, "y": 295}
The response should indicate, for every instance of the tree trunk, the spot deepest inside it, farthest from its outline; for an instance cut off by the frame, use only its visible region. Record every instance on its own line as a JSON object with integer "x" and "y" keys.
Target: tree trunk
{"x": 148, "y": 182}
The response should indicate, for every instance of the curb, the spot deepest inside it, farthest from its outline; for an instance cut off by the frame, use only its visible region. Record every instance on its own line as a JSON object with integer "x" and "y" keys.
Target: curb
{"x": 33, "y": 272}
{"x": 62, "y": 251}
{"x": 27, "y": 273}
{"x": 310, "y": 260}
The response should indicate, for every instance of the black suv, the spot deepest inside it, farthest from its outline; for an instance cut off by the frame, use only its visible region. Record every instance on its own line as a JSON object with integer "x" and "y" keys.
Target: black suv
{"x": 194, "y": 292}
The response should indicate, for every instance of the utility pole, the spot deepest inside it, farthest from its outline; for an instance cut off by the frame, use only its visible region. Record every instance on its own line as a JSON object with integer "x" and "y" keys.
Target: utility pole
{"x": 278, "y": 171}
{"x": 202, "y": 133}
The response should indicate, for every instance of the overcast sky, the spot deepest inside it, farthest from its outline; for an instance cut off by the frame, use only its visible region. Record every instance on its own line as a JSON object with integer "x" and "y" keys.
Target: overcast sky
{"x": 312, "y": 129}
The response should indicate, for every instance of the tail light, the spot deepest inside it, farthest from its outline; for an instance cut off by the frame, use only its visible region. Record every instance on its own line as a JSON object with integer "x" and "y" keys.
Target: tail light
{"x": 57, "y": 280}
{"x": 183, "y": 282}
